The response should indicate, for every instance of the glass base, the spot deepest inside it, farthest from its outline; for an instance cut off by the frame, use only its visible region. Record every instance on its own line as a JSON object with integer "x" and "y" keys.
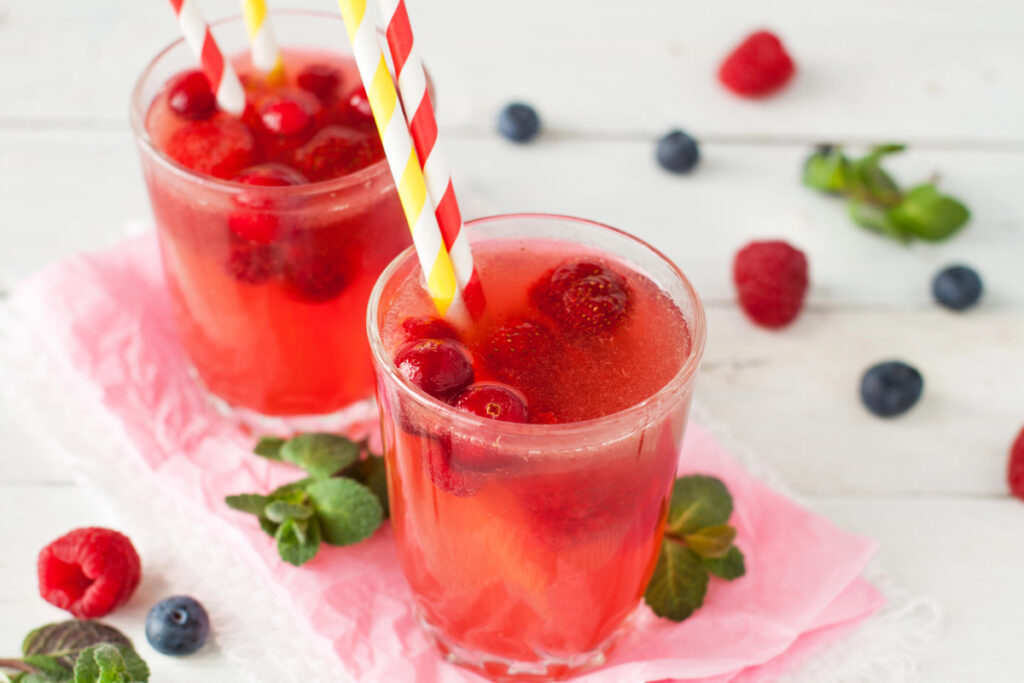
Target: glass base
{"x": 545, "y": 668}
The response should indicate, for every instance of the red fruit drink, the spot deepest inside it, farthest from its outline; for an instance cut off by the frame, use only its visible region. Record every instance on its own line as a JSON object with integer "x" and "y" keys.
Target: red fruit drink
{"x": 274, "y": 226}
{"x": 530, "y": 456}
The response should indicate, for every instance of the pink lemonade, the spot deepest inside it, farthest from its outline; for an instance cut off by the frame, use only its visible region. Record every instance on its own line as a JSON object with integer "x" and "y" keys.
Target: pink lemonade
{"x": 273, "y": 228}
{"x": 529, "y": 493}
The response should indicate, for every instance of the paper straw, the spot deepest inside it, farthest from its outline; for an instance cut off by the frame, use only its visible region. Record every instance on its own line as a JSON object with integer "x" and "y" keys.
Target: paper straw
{"x": 402, "y": 160}
{"x": 265, "y": 55}
{"x": 223, "y": 79}
{"x": 419, "y": 113}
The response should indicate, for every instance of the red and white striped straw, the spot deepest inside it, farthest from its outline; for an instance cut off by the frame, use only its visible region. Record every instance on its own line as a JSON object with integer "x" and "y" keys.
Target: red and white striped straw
{"x": 223, "y": 79}
{"x": 419, "y": 113}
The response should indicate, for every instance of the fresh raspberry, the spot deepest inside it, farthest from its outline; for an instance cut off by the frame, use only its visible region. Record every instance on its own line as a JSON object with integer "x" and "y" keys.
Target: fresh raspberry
{"x": 771, "y": 279}
{"x": 89, "y": 572}
{"x": 336, "y": 151}
{"x": 220, "y": 147}
{"x": 440, "y": 367}
{"x": 321, "y": 80}
{"x": 257, "y": 220}
{"x": 519, "y": 350}
{"x": 493, "y": 400}
{"x": 758, "y": 66}
{"x": 429, "y": 327}
{"x": 251, "y": 262}
{"x": 288, "y": 114}
{"x": 1015, "y": 469}
{"x": 584, "y": 297}
{"x": 191, "y": 96}
{"x": 319, "y": 263}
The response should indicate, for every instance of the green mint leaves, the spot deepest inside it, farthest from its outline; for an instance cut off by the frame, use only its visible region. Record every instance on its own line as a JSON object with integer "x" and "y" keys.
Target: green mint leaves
{"x": 698, "y": 542}
{"x": 343, "y": 501}
{"x": 76, "y": 652}
{"x": 875, "y": 201}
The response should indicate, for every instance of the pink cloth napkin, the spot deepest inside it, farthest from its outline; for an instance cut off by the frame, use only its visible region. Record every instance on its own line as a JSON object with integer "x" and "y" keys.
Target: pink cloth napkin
{"x": 108, "y": 314}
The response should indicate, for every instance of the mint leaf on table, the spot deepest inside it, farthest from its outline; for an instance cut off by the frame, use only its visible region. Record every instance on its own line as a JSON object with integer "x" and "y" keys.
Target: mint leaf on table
{"x": 372, "y": 472}
{"x": 322, "y": 455}
{"x": 77, "y": 651}
{"x": 679, "y": 582}
{"x": 279, "y": 512}
{"x": 249, "y": 503}
{"x": 110, "y": 664}
{"x": 348, "y": 511}
{"x": 698, "y": 501}
{"x": 729, "y": 566}
{"x": 711, "y": 542}
{"x": 298, "y": 541}
{"x": 876, "y": 218}
{"x": 929, "y": 215}
{"x": 826, "y": 170}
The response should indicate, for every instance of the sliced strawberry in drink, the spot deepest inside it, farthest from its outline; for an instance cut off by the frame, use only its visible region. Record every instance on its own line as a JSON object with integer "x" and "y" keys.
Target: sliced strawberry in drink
{"x": 220, "y": 147}
{"x": 336, "y": 151}
{"x": 258, "y": 218}
{"x": 585, "y": 297}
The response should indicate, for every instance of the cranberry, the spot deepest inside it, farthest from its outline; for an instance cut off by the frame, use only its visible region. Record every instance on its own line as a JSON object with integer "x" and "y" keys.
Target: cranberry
{"x": 440, "y": 367}
{"x": 493, "y": 400}
{"x": 428, "y": 327}
{"x": 358, "y": 109}
{"x": 190, "y": 96}
{"x": 584, "y": 297}
{"x": 289, "y": 114}
{"x": 257, "y": 218}
{"x": 520, "y": 349}
{"x": 220, "y": 147}
{"x": 336, "y": 151}
{"x": 321, "y": 80}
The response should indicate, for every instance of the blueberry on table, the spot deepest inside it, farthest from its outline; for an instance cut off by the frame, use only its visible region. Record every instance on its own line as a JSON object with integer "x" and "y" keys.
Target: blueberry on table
{"x": 518, "y": 122}
{"x": 957, "y": 287}
{"x": 678, "y": 152}
{"x": 177, "y": 626}
{"x": 891, "y": 388}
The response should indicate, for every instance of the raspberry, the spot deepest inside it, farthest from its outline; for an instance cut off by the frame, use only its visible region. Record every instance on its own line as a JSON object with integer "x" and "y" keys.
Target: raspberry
{"x": 319, "y": 263}
{"x": 89, "y": 572}
{"x": 336, "y": 151}
{"x": 220, "y": 146}
{"x": 520, "y": 349}
{"x": 428, "y": 327}
{"x": 440, "y": 367}
{"x": 584, "y": 297}
{"x": 190, "y": 96}
{"x": 771, "y": 279}
{"x": 1015, "y": 469}
{"x": 758, "y": 66}
{"x": 251, "y": 262}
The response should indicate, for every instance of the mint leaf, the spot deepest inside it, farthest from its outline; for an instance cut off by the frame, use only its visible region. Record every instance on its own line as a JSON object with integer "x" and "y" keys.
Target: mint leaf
{"x": 347, "y": 510}
{"x": 698, "y": 501}
{"x": 875, "y": 218}
{"x": 294, "y": 492}
{"x": 110, "y": 664}
{"x": 298, "y": 541}
{"x": 373, "y": 473}
{"x": 62, "y": 642}
{"x": 679, "y": 583}
{"x": 269, "y": 527}
{"x": 279, "y": 511}
{"x": 927, "y": 214}
{"x": 729, "y": 566}
{"x": 322, "y": 455}
{"x": 826, "y": 170}
{"x": 711, "y": 541}
{"x": 269, "y": 447}
{"x": 869, "y": 183}
{"x": 249, "y": 503}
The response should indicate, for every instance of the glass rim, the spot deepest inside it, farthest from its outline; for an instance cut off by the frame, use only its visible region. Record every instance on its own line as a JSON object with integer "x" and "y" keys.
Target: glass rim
{"x": 466, "y": 421}
{"x": 138, "y": 111}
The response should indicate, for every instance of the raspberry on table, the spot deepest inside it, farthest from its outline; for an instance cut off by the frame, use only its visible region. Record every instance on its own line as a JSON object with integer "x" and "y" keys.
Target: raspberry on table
{"x": 89, "y": 572}
{"x": 771, "y": 280}
{"x": 758, "y": 66}
{"x": 1015, "y": 468}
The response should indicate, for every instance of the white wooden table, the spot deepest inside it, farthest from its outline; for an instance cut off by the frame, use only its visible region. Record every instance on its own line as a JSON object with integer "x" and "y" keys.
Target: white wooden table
{"x": 946, "y": 76}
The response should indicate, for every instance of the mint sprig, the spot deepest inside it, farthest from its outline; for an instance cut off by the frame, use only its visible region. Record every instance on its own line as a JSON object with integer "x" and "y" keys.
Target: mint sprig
{"x": 342, "y": 502}
{"x": 698, "y": 542}
{"x": 76, "y": 651}
{"x": 876, "y": 202}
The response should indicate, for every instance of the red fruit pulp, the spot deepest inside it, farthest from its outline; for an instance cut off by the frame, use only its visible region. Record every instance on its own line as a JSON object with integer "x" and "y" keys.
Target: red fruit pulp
{"x": 514, "y": 552}
{"x": 269, "y": 282}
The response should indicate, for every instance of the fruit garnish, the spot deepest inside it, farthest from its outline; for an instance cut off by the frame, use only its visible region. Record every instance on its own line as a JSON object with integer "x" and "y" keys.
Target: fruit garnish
{"x": 438, "y": 456}
{"x": 250, "y": 261}
{"x": 518, "y": 122}
{"x": 519, "y": 350}
{"x": 79, "y": 651}
{"x": 757, "y": 67}
{"x": 1015, "y": 467}
{"x": 320, "y": 79}
{"x": 336, "y": 151}
{"x": 318, "y": 264}
{"x": 288, "y": 114}
{"x": 957, "y": 287}
{"x": 358, "y": 111}
{"x": 584, "y": 297}
{"x": 342, "y": 502}
{"x": 698, "y": 542}
{"x": 891, "y": 388}
{"x": 177, "y": 626}
{"x": 493, "y": 400}
{"x": 429, "y": 327}
{"x": 221, "y": 146}
{"x": 440, "y": 367}
{"x": 677, "y": 152}
{"x": 190, "y": 96}
{"x": 771, "y": 282}
{"x": 89, "y": 572}
{"x": 256, "y": 219}
{"x": 876, "y": 202}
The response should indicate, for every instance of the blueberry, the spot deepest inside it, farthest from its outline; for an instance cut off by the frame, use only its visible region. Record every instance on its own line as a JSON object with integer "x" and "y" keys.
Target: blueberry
{"x": 957, "y": 287}
{"x": 518, "y": 122}
{"x": 177, "y": 626}
{"x": 891, "y": 388}
{"x": 678, "y": 152}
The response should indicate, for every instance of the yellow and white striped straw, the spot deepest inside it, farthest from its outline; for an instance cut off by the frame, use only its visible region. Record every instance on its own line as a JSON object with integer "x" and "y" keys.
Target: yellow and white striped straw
{"x": 402, "y": 160}
{"x": 266, "y": 56}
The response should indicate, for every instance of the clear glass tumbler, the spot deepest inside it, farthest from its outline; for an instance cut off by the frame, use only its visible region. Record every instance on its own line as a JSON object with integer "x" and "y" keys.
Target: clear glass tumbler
{"x": 529, "y": 568}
